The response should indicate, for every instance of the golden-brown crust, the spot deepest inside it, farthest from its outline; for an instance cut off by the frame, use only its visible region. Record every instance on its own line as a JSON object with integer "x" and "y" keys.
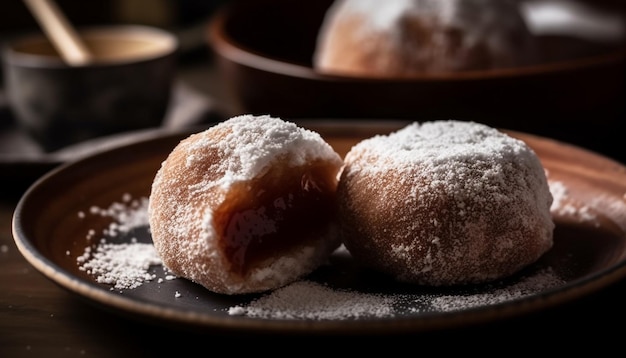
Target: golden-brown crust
{"x": 404, "y": 220}
{"x": 170, "y": 195}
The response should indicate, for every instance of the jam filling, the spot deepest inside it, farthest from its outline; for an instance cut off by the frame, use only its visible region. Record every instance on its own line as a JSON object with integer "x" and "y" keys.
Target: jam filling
{"x": 274, "y": 213}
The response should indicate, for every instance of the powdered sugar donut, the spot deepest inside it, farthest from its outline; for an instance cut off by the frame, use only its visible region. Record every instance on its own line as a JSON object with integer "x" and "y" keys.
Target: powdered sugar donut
{"x": 246, "y": 205}
{"x": 395, "y": 38}
{"x": 445, "y": 203}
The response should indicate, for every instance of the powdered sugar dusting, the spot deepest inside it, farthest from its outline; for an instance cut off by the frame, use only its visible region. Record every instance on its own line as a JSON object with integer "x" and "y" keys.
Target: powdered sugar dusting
{"x": 383, "y": 18}
{"x": 314, "y": 301}
{"x": 248, "y": 149}
{"x": 129, "y": 265}
{"x": 464, "y": 203}
{"x": 434, "y": 144}
{"x": 477, "y": 18}
{"x": 123, "y": 265}
{"x": 127, "y": 214}
{"x": 412, "y": 36}
{"x": 311, "y": 300}
{"x": 564, "y": 205}
{"x": 210, "y": 172}
{"x": 543, "y": 280}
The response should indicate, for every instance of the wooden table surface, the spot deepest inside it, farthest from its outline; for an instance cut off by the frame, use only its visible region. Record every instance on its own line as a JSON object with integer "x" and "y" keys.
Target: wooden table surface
{"x": 40, "y": 319}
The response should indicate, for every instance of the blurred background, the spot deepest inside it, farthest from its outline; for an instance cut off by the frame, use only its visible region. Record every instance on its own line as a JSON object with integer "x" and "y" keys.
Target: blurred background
{"x": 216, "y": 86}
{"x": 186, "y": 18}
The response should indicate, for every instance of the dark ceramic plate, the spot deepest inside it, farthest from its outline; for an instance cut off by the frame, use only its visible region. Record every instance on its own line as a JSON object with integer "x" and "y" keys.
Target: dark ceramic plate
{"x": 589, "y": 251}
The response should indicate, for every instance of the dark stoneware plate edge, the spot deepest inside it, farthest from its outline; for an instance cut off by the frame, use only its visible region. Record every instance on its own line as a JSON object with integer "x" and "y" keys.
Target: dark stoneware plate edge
{"x": 46, "y": 254}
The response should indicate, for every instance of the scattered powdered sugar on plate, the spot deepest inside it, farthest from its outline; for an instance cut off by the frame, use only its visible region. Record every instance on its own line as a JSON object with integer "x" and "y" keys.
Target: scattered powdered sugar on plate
{"x": 542, "y": 280}
{"x": 124, "y": 265}
{"x": 315, "y": 301}
{"x": 563, "y": 205}
{"x": 127, "y": 214}
{"x": 120, "y": 260}
{"x": 311, "y": 300}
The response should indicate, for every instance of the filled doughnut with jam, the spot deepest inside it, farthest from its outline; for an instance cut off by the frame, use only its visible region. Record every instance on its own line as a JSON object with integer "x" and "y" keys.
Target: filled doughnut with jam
{"x": 247, "y": 205}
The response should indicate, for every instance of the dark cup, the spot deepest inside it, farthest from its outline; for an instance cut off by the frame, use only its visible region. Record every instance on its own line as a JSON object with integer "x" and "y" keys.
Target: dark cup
{"x": 127, "y": 87}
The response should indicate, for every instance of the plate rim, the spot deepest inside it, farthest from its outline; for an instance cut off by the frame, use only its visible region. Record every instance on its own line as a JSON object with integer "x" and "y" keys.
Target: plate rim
{"x": 129, "y": 306}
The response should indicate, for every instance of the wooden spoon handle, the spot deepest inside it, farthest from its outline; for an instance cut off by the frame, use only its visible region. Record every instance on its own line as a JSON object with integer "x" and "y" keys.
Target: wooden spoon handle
{"x": 62, "y": 35}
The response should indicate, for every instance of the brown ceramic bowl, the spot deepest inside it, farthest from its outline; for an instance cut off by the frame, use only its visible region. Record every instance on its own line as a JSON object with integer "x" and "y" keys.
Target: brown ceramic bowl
{"x": 264, "y": 49}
